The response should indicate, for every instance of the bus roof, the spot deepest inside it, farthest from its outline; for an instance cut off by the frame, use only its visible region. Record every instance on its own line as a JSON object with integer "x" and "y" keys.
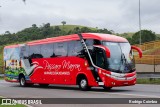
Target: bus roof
{"x": 11, "y": 46}
{"x": 98, "y": 36}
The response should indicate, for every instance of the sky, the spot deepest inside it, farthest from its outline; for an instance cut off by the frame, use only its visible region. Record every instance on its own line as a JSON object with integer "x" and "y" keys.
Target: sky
{"x": 117, "y": 15}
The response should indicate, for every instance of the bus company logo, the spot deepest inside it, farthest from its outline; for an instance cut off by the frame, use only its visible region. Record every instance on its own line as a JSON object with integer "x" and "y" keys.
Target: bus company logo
{"x": 7, "y": 102}
{"x": 10, "y": 102}
{"x": 65, "y": 65}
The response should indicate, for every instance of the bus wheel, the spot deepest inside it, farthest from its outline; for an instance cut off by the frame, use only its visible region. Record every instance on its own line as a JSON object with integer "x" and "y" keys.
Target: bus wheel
{"x": 43, "y": 85}
{"x": 22, "y": 81}
{"x": 83, "y": 84}
{"x": 107, "y": 88}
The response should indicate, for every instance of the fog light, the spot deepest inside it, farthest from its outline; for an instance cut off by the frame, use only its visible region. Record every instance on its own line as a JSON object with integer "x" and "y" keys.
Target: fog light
{"x": 100, "y": 71}
{"x": 113, "y": 83}
{"x": 85, "y": 63}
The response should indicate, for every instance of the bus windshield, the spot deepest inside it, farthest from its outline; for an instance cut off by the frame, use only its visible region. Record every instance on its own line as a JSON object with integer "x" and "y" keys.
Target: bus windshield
{"x": 121, "y": 59}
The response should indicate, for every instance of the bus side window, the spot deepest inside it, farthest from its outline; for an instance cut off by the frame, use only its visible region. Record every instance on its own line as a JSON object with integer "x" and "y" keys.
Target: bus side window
{"x": 71, "y": 51}
{"x": 53, "y": 55}
{"x": 36, "y": 56}
{"x": 89, "y": 42}
{"x": 78, "y": 49}
{"x": 47, "y": 50}
{"x": 34, "y": 51}
{"x": 60, "y": 49}
{"x": 99, "y": 58}
{"x": 97, "y": 42}
{"x": 25, "y": 52}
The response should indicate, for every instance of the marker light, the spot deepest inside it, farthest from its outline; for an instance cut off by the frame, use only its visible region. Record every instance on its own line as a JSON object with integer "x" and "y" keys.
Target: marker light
{"x": 85, "y": 63}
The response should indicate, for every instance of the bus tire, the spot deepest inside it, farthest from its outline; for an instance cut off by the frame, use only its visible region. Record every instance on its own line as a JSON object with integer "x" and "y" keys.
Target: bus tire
{"x": 22, "y": 81}
{"x": 107, "y": 88}
{"x": 83, "y": 84}
{"x": 43, "y": 85}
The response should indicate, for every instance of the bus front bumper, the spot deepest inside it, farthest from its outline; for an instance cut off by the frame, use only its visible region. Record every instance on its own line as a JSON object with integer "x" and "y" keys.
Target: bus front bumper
{"x": 116, "y": 79}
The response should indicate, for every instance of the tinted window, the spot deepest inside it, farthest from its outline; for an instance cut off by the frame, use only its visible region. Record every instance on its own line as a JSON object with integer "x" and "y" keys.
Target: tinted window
{"x": 35, "y": 49}
{"x": 12, "y": 53}
{"x": 71, "y": 51}
{"x": 60, "y": 49}
{"x": 100, "y": 60}
{"x": 78, "y": 49}
{"x": 47, "y": 50}
{"x": 24, "y": 51}
{"x": 89, "y": 43}
{"x": 98, "y": 57}
{"x": 97, "y": 42}
{"x": 75, "y": 47}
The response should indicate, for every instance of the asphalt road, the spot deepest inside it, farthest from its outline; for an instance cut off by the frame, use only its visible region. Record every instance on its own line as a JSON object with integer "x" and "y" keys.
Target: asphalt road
{"x": 13, "y": 90}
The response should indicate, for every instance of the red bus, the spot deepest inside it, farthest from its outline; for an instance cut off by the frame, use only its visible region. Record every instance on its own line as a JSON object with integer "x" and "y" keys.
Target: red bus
{"x": 87, "y": 60}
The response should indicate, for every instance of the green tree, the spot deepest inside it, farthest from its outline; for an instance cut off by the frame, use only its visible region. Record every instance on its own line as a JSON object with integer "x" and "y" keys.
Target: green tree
{"x": 63, "y": 23}
{"x": 85, "y": 30}
{"x": 129, "y": 39}
{"x": 105, "y": 31}
{"x": 76, "y": 30}
{"x": 146, "y": 36}
{"x": 47, "y": 30}
{"x": 34, "y": 26}
{"x": 57, "y": 30}
{"x": 7, "y": 32}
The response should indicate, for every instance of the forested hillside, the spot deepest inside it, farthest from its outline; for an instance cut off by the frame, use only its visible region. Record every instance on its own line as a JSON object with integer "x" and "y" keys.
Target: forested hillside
{"x": 45, "y": 31}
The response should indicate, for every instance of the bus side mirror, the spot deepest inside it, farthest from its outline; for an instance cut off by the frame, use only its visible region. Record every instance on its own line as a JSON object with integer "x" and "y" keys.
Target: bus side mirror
{"x": 138, "y": 49}
{"x": 106, "y": 49}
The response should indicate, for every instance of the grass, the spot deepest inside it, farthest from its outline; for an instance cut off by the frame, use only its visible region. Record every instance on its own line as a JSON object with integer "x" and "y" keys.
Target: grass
{"x": 1, "y": 78}
{"x": 150, "y": 51}
{"x": 67, "y": 28}
{"x": 148, "y": 81}
{"x": 17, "y": 105}
{"x": 158, "y": 35}
{"x": 1, "y": 55}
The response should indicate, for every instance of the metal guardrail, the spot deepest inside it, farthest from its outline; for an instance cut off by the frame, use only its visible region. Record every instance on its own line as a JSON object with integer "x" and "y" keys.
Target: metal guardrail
{"x": 148, "y": 75}
{"x": 148, "y": 59}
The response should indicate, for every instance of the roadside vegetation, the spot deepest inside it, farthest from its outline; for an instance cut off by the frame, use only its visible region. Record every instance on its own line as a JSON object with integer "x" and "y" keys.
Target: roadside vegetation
{"x": 1, "y": 78}
{"x": 46, "y": 31}
{"x": 148, "y": 81}
{"x": 17, "y": 105}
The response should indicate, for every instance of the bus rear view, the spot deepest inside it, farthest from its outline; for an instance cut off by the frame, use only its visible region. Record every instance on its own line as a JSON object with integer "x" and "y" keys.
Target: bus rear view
{"x": 87, "y": 59}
